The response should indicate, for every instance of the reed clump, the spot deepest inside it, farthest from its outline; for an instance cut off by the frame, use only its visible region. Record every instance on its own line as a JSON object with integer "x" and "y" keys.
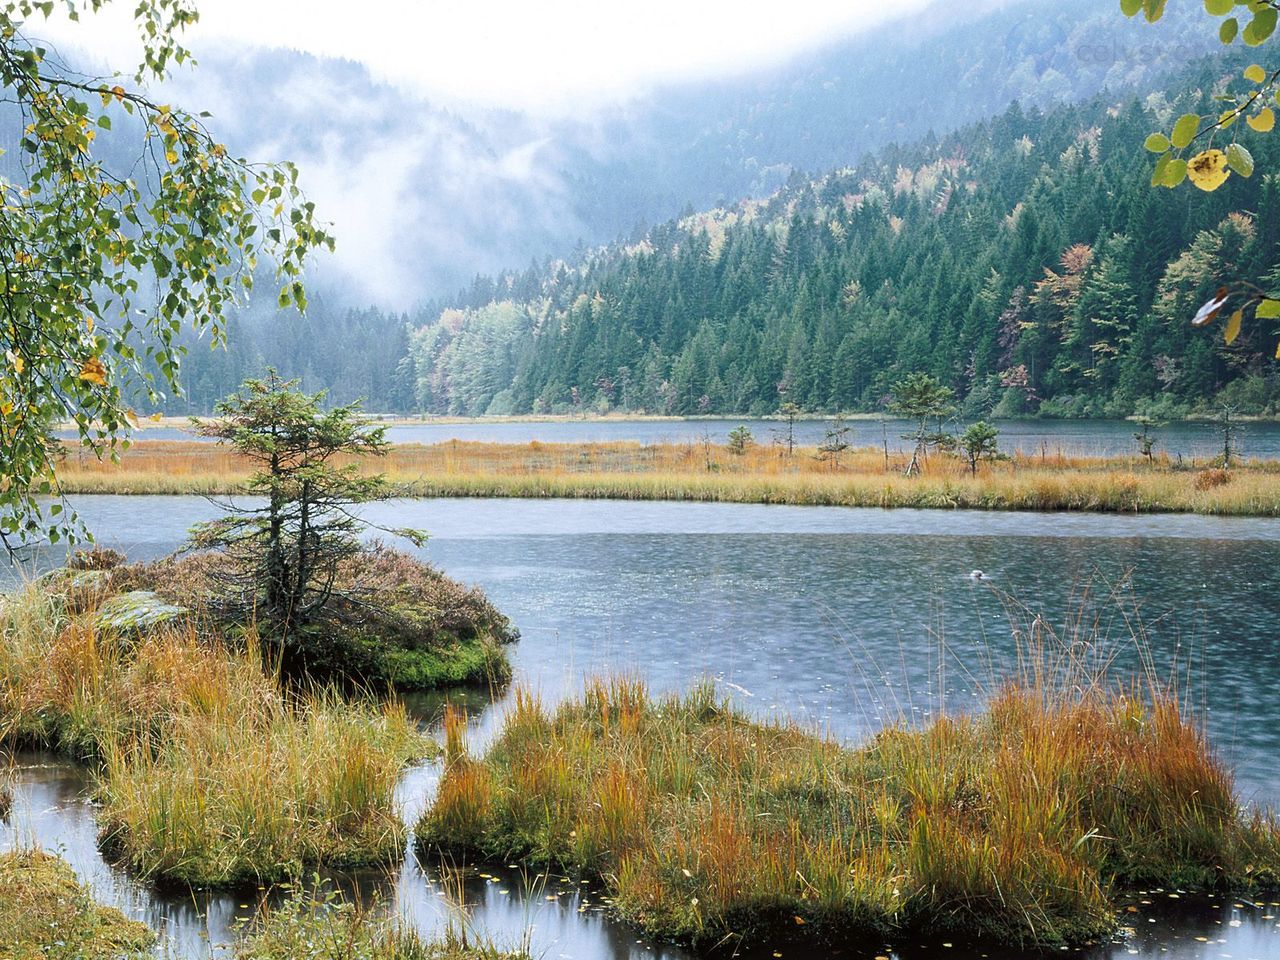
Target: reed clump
{"x": 46, "y": 914}
{"x": 1018, "y": 824}
{"x": 711, "y": 472}
{"x": 207, "y": 773}
{"x": 326, "y": 926}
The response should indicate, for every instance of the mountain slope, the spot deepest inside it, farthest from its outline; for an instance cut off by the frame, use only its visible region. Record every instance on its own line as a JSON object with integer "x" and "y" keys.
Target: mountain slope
{"x": 1025, "y": 261}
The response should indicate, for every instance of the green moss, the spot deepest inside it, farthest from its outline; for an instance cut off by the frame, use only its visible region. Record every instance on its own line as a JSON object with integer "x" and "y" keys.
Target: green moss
{"x": 472, "y": 661}
{"x": 46, "y": 914}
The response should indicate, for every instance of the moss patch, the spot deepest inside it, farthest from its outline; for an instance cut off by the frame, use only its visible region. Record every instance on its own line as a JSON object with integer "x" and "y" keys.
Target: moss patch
{"x": 392, "y": 620}
{"x": 46, "y": 914}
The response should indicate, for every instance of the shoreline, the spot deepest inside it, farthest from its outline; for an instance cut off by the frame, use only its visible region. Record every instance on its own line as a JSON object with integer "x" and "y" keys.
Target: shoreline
{"x": 170, "y": 422}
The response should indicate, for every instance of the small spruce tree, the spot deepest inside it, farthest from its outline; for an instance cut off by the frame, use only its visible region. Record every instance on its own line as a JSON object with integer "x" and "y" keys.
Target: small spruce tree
{"x": 290, "y": 538}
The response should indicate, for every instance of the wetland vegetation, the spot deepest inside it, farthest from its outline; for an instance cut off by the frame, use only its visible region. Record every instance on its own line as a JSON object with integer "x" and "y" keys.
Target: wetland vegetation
{"x": 711, "y": 471}
{"x": 1018, "y": 824}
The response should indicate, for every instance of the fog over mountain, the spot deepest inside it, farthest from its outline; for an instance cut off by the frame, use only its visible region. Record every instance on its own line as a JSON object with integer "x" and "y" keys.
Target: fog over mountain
{"x": 424, "y": 196}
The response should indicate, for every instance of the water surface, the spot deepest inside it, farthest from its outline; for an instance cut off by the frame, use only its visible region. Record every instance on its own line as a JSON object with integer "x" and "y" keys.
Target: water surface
{"x": 840, "y": 618}
{"x": 1044, "y": 437}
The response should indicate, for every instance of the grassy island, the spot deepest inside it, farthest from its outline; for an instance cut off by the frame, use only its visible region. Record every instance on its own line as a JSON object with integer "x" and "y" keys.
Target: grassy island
{"x": 46, "y": 914}
{"x": 1019, "y": 825}
{"x": 713, "y": 472}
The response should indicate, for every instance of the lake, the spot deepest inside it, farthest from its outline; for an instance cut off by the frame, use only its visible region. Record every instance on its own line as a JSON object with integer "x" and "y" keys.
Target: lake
{"x": 842, "y": 619}
{"x": 1260, "y": 440}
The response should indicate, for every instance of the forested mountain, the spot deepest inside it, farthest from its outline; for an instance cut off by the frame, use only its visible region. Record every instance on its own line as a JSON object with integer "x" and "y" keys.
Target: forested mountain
{"x": 426, "y": 195}
{"x": 1024, "y": 260}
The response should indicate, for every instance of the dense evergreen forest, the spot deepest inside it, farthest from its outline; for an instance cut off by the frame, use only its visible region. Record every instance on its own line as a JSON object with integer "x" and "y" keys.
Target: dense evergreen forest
{"x": 1025, "y": 261}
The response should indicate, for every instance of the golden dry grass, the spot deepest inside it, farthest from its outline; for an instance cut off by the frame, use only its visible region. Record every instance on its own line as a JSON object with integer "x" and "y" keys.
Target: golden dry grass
{"x": 206, "y": 771}
{"x": 1014, "y": 825}
{"x": 710, "y": 472}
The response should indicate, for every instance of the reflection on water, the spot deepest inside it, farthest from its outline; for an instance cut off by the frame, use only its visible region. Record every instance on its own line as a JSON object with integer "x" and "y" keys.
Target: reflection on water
{"x": 839, "y": 618}
{"x": 1032, "y": 437}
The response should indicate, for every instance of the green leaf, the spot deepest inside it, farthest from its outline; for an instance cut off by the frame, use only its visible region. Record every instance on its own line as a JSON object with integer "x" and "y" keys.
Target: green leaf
{"x": 1185, "y": 130}
{"x": 1175, "y": 173}
{"x": 1218, "y": 8}
{"x": 1229, "y": 30}
{"x": 1240, "y": 160}
{"x": 1268, "y": 309}
{"x": 1261, "y": 27}
{"x": 1157, "y": 143}
{"x": 1130, "y": 8}
{"x": 1154, "y": 9}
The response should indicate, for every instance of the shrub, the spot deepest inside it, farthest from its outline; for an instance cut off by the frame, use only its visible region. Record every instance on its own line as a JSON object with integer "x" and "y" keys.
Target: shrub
{"x": 1212, "y": 478}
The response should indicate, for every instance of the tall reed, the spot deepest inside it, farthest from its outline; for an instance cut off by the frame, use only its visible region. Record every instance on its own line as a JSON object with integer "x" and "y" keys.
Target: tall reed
{"x": 1017, "y": 823}
{"x": 206, "y": 772}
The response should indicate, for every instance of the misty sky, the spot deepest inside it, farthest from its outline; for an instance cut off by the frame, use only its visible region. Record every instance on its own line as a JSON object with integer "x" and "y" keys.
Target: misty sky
{"x": 544, "y": 56}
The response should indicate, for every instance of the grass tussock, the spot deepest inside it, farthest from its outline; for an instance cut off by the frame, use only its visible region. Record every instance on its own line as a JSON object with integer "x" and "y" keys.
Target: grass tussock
{"x": 329, "y": 927}
{"x": 1017, "y": 824}
{"x": 46, "y": 914}
{"x": 207, "y": 773}
{"x": 392, "y": 621}
{"x": 710, "y": 472}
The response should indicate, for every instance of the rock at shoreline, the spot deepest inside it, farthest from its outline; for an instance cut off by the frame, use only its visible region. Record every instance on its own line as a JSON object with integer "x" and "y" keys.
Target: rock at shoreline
{"x": 136, "y": 612}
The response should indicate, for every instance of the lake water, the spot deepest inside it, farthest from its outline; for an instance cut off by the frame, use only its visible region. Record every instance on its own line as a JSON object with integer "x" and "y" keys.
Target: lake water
{"x": 840, "y": 618}
{"x": 1072, "y": 437}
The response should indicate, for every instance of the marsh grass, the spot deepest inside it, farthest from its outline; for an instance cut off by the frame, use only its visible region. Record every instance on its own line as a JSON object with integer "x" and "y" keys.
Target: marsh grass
{"x": 1019, "y": 823}
{"x": 6, "y": 794}
{"x": 322, "y": 925}
{"x": 207, "y": 773}
{"x": 692, "y": 471}
{"x": 46, "y": 914}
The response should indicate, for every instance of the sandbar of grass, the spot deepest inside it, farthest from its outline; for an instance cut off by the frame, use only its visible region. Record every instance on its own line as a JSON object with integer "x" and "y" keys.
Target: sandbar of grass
{"x": 711, "y": 472}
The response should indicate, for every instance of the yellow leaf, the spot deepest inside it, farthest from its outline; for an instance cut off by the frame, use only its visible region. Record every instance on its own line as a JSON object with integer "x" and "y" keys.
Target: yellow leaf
{"x": 1254, "y": 73}
{"x": 1264, "y": 122}
{"x": 170, "y": 156}
{"x": 1233, "y": 327}
{"x": 156, "y": 417}
{"x": 88, "y": 323}
{"x": 799, "y": 921}
{"x": 1208, "y": 170}
{"x": 93, "y": 371}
